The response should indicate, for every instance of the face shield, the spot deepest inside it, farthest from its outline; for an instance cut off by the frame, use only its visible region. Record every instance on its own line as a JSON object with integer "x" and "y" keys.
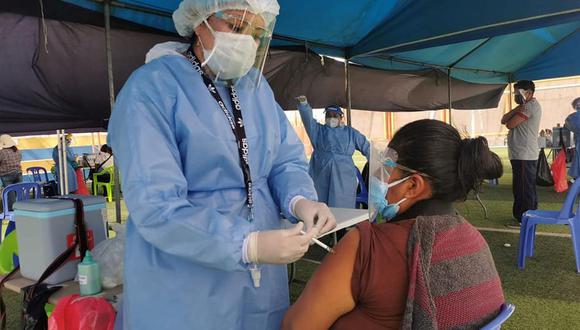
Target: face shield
{"x": 382, "y": 164}
{"x": 241, "y": 40}
{"x": 379, "y": 173}
{"x": 241, "y": 31}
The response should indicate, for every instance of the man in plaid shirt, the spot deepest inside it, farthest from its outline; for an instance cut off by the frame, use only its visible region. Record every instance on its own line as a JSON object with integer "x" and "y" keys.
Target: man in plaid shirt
{"x": 10, "y": 157}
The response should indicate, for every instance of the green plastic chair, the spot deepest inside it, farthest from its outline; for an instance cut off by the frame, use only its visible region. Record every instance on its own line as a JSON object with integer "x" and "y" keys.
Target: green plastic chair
{"x": 8, "y": 249}
{"x": 108, "y": 186}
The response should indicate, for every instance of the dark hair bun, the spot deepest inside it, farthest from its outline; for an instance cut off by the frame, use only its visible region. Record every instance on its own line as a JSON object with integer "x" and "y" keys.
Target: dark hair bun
{"x": 455, "y": 166}
{"x": 477, "y": 163}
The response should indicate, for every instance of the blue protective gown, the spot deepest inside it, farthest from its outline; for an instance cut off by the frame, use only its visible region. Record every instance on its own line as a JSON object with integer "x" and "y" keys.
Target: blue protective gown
{"x": 331, "y": 164}
{"x": 573, "y": 124}
{"x": 184, "y": 189}
{"x": 70, "y": 170}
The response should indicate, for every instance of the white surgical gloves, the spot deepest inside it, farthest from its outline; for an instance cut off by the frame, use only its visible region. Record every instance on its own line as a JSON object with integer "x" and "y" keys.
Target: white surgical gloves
{"x": 314, "y": 214}
{"x": 282, "y": 246}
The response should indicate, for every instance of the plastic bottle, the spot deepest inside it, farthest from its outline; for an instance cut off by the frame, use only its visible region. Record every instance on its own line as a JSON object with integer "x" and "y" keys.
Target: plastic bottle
{"x": 89, "y": 276}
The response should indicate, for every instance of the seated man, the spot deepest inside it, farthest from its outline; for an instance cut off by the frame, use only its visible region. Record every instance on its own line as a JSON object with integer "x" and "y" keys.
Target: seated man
{"x": 103, "y": 161}
{"x": 425, "y": 267}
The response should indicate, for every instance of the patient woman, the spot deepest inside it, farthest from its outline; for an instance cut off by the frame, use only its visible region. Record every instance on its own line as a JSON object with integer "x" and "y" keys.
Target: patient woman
{"x": 423, "y": 266}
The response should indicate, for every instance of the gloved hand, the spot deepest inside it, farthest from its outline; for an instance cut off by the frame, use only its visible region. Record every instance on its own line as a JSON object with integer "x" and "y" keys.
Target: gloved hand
{"x": 282, "y": 246}
{"x": 314, "y": 214}
{"x": 302, "y": 99}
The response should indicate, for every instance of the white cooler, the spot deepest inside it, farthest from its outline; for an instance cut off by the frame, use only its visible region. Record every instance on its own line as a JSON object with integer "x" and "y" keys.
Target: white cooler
{"x": 45, "y": 227}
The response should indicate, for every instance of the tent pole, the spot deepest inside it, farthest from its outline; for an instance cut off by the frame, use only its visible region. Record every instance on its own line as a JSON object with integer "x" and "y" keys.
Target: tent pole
{"x": 348, "y": 94}
{"x": 449, "y": 93}
{"x": 107, "y": 12}
{"x": 63, "y": 160}
{"x": 59, "y": 157}
{"x": 510, "y": 85}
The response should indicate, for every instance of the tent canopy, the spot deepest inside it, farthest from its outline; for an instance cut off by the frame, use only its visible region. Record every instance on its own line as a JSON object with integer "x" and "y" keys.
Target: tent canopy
{"x": 490, "y": 41}
{"x": 401, "y": 51}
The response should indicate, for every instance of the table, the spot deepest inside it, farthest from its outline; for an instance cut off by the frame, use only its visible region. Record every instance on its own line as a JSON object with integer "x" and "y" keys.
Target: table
{"x": 17, "y": 283}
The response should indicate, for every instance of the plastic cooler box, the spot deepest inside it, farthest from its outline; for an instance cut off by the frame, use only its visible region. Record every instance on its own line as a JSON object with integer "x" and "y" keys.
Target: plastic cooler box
{"x": 45, "y": 228}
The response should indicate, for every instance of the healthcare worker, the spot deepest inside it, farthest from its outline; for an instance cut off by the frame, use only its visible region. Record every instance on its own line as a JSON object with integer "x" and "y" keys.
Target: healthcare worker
{"x": 70, "y": 163}
{"x": 209, "y": 162}
{"x": 573, "y": 124}
{"x": 331, "y": 164}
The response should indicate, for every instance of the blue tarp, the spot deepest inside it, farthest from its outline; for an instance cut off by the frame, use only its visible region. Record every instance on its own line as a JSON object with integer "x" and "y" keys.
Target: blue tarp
{"x": 491, "y": 41}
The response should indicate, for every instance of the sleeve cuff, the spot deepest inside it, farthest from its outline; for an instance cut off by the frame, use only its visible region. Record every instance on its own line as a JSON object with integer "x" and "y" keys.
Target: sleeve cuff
{"x": 293, "y": 202}
{"x": 304, "y": 106}
{"x": 245, "y": 257}
{"x": 522, "y": 115}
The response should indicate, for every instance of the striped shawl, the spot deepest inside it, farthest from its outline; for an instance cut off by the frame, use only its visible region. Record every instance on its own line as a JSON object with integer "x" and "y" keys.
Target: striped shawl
{"x": 453, "y": 283}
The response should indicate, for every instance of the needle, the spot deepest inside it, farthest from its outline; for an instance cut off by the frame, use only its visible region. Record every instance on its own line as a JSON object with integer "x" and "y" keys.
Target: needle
{"x": 319, "y": 243}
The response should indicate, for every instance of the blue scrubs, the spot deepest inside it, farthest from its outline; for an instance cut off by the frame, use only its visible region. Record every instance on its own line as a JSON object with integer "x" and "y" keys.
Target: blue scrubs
{"x": 185, "y": 193}
{"x": 573, "y": 124}
{"x": 331, "y": 164}
{"x": 70, "y": 170}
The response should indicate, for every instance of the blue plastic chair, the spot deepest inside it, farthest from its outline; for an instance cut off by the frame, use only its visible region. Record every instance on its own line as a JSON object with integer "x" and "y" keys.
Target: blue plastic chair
{"x": 35, "y": 171}
{"x": 565, "y": 216}
{"x": 23, "y": 191}
{"x": 505, "y": 312}
{"x": 362, "y": 199}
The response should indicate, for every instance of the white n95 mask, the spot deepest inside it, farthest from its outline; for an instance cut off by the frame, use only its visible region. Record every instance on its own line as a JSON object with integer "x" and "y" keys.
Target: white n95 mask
{"x": 232, "y": 56}
{"x": 332, "y": 122}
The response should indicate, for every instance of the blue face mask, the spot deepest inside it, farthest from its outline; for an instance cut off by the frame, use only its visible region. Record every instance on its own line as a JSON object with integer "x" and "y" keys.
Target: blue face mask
{"x": 378, "y": 198}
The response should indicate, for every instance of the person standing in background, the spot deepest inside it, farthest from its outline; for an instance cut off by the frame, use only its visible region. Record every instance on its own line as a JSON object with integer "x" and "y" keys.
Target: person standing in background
{"x": 70, "y": 162}
{"x": 10, "y": 159}
{"x": 523, "y": 123}
{"x": 573, "y": 124}
{"x": 331, "y": 164}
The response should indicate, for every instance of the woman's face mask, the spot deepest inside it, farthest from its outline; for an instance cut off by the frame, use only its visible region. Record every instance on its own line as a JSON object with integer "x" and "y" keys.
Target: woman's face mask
{"x": 232, "y": 56}
{"x": 378, "y": 196}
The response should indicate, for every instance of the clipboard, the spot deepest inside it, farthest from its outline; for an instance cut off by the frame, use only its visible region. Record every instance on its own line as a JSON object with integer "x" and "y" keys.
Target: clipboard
{"x": 344, "y": 218}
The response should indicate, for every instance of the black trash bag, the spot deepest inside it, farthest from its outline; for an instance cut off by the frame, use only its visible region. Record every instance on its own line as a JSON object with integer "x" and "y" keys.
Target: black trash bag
{"x": 543, "y": 172}
{"x": 33, "y": 313}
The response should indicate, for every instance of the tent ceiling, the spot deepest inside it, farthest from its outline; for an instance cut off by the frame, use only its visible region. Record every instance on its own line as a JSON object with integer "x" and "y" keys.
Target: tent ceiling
{"x": 489, "y": 41}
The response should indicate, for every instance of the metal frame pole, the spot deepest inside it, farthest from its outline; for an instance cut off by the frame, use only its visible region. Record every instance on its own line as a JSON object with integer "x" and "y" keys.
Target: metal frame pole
{"x": 63, "y": 161}
{"x": 107, "y": 13}
{"x": 348, "y": 95}
{"x": 60, "y": 167}
{"x": 449, "y": 94}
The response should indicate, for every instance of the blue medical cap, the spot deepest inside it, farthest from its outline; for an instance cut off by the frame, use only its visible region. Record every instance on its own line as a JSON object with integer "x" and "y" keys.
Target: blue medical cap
{"x": 334, "y": 108}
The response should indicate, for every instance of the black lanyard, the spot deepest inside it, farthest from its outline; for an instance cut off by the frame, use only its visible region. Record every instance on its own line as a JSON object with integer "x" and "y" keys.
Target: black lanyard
{"x": 236, "y": 124}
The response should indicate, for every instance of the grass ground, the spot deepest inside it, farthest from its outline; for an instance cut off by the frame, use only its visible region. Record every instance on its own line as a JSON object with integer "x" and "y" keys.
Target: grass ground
{"x": 546, "y": 293}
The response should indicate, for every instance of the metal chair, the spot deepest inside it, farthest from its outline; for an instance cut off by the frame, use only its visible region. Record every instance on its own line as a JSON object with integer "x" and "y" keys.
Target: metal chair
{"x": 505, "y": 312}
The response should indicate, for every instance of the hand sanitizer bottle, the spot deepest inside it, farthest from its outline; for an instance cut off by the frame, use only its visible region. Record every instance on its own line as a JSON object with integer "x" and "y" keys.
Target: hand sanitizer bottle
{"x": 89, "y": 276}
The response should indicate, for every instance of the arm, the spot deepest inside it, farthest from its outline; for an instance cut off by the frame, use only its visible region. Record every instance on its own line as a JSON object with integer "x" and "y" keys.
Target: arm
{"x": 310, "y": 124}
{"x": 70, "y": 156}
{"x": 362, "y": 144}
{"x": 521, "y": 114}
{"x": 328, "y": 294}
{"x": 289, "y": 174}
{"x": 141, "y": 130}
{"x": 511, "y": 114}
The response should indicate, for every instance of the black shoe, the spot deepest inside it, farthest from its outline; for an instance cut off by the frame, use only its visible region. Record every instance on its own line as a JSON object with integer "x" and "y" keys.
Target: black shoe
{"x": 514, "y": 224}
